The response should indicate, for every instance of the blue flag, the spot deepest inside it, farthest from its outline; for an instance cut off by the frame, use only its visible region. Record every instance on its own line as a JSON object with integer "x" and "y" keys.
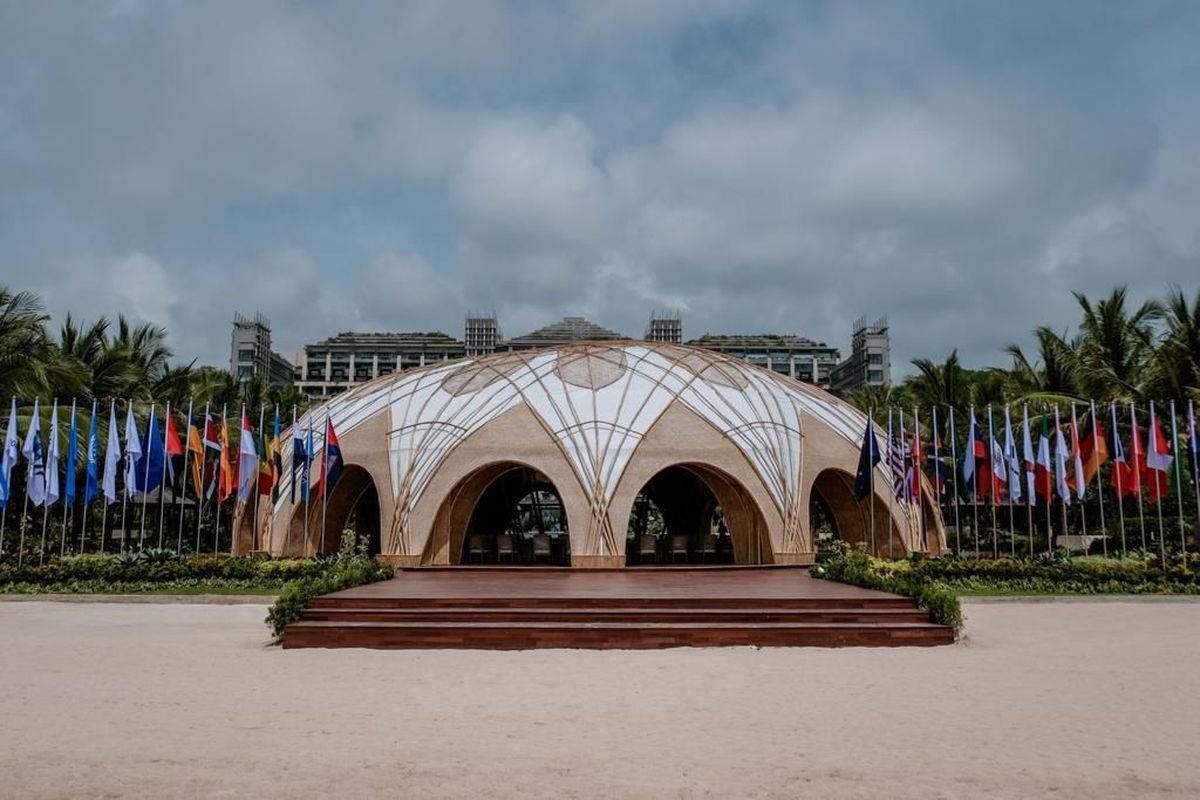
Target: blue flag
{"x": 306, "y": 472}
{"x": 72, "y": 456}
{"x": 149, "y": 470}
{"x": 93, "y": 460}
{"x": 868, "y": 457}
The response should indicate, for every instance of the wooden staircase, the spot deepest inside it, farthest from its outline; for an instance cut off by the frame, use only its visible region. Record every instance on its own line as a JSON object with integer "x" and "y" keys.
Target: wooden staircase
{"x": 512, "y": 621}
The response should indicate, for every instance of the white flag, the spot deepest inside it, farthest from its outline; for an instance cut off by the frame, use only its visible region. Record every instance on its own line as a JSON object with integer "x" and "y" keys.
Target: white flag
{"x": 1012, "y": 459}
{"x": 1080, "y": 482}
{"x": 11, "y": 454}
{"x": 35, "y": 456}
{"x": 133, "y": 452}
{"x": 1027, "y": 447}
{"x": 52, "y": 455}
{"x": 112, "y": 455}
{"x": 1060, "y": 461}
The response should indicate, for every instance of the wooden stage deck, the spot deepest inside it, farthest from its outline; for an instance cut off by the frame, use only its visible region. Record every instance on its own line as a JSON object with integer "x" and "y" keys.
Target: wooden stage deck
{"x": 531, "y": 607}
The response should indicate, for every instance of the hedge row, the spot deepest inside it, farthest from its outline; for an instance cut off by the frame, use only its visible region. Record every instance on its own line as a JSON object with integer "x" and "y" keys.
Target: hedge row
{"x": 344, "y": 572}
{"x": 151, "y": 568}
{"x": 859, "y": 569}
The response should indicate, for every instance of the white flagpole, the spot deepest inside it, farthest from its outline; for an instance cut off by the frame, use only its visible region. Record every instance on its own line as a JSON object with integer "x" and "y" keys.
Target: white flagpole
{"x": 50, "y": 444}
{"x": 891, "y": 472}
{"x": 146, "y": 480}
{"x": 1134, "y": 437}
{"x": 1099, "y": 479}
{"x": 1112, "y": 407}
{"x": 1010, "y": 452}
{"x": 954, "y": 479}
{"x": 25, "y": 508}
{"x": 308, "y": 500}
{"x": 68, "y": 502}
{"x": 224, "y": 446}
{"x": 938, "y": 483}
{"x": 162, "y": 485}
{"x": 991, "y": 490}
{"x": 183, "y": 479}
{"x": 1080, "y": 486}
{"x": 112, "y": 415}
{"x": 1152, "y": 441}
{"x": 974, "y": 488}
{"x": 1178, "y": 482}
{"x": 257, "y": 473}
{"x": 1030, "y": 491}
{"x": 1195, "y": 466}
{"x": 287, "y": 546}
{"x": 917, "y": 454}
{"x": 325, "y": 481}
{"x": 125, "y": 494}
{"x": 201, "y": 498}
{"x": 8, "y": 499}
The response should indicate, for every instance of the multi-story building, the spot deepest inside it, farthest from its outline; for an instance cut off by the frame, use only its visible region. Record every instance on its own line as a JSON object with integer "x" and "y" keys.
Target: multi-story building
{"x": 481, "y": 334}
{"x": 870, "y": 361}
{"x": 565, "y": 331}
{"x": 665, "y": 327}
{"x": 250, "y": 353}
{"x": 795, "y": 356}
{"x": 331, "y": 366}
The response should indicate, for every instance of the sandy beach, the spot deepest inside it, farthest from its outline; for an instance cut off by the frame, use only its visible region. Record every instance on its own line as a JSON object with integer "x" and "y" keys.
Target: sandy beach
{"x": 1070, "y": 700}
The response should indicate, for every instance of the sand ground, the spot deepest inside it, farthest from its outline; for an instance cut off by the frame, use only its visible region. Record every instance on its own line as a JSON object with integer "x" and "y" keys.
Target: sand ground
{"x": 1068, "y": 700}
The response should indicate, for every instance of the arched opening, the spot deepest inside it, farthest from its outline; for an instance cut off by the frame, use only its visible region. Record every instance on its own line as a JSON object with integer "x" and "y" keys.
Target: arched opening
{"x": 691, "y": 514}
{"x": 351, "y": 510}
{"x": 518, "y": 518}
{"x": 835, "y": 514}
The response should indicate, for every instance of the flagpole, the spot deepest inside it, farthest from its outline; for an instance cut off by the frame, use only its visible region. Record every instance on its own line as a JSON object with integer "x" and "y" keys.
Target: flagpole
{"x": 224, "y": 445}
{"x": 187, "y": 434}
{"x": 310, "y": 453}
{"x": 112, "y": 415}
{"x": 1195, "y": 466}
{"x": 1050, "y": 488}
{"x": 992, "y": 488}
{"x": 8, "y": 476}
{"x": 146, "y": 480}
{"x": 1080, "y": 486}
{"x": 201, "y": 498}
{"x": 46, "y": 480}
{"x": 1152, "y": 441}
{"x": 1030, "y": 491}
{"x": 1010, "y": 452}
{"x": 162, "y": 484}
{"x": 1112, "y": 407}
{"x": 36, "y": 419}
{"x": 974, "y": 488}
{"x": 1178, "y": 484}
{"x": 1141, "y": 511}
{"x": 68, "y": 502}
{"x": 1099, "y": 478}
{"x": 954, "y": 478}
{"x": 257, "y": 486}
{"x": 937, "y": 460}
{"x": 917, "y": 456}
{"x": 891, "y": 471}
{"x": 325, "y": 481}
{"x": 287, "y": 544}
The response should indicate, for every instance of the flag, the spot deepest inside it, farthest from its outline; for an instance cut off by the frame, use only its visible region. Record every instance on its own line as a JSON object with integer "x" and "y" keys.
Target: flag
{"x": 1060, "y": 461}
{"x": 228, "y": 480}
{"x": 72, "y": 457}
{"x": 247, "y": 459}
{"x": 332, "y": 466}
{"x": 299, "y": 453}
{"x": 174, "y": 450}
{"x": 998, "y": 461}
{"x": 1030, "y": 462}
{"x": 1011, "y": 459}
{"x": 112, "y": 454}
{"x": 895, "y": 457}
{"x": 1093, "y": 449}
{"x": 1124, "y": 479}
{"x": 11, "y": 455}
{"x": 266, "y": 467}
{"x": 914, "y": 469}
{"x": 934, "y": 460}
{"x": 35, "y": 456}
{"x": 868, "y": 457}
{"x": 133, "y": 451}
{"x": 1158, "y": 460}
{"x": 52, "y": 456}
{"x": 1195, "y": 445}
{"x": 1137, "y": 467}
{"x": 977, "y": 473}
{"x": 1080, "y": 483}
{"x": 212, "y": 441}
{"x": 92, "y": 485}
{"x": 306, "y": 473}
{"x": 195, "y": 448}
{"x": 148, "y": 476}
{"x": 276, "y": 458}
{"x": 1043, "y": 475}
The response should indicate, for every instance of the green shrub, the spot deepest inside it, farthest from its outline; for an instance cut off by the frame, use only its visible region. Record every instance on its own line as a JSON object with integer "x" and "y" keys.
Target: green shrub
{"x": 347, "y": 571}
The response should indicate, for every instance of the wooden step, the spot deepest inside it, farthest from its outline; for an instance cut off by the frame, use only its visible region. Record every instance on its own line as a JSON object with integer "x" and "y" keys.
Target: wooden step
{"x": 609, "y": 635}
{"x": 657, "y": 615}
{"x": 359, "y": 602}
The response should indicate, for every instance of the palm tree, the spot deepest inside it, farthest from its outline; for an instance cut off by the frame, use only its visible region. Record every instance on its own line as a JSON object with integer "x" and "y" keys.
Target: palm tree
{"x": 1175, "y": 368}
{"x": 26, "y": 352}
{"x": 1114, "y": 346}
{"x": 1049, "y": 379}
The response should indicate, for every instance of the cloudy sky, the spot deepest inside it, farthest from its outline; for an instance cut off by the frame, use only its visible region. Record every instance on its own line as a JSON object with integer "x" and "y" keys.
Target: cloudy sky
{"x": 758, "y": 166}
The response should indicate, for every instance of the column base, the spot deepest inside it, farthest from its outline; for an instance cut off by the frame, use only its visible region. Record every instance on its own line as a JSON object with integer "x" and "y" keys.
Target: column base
{"x": 399, "y": 562}
{"x": 796, "y": 559}
{"x": 597, "y": 562}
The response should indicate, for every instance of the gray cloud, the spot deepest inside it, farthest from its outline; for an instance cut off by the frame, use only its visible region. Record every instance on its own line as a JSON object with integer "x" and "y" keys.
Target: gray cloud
{"x": 778, "y": 167}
